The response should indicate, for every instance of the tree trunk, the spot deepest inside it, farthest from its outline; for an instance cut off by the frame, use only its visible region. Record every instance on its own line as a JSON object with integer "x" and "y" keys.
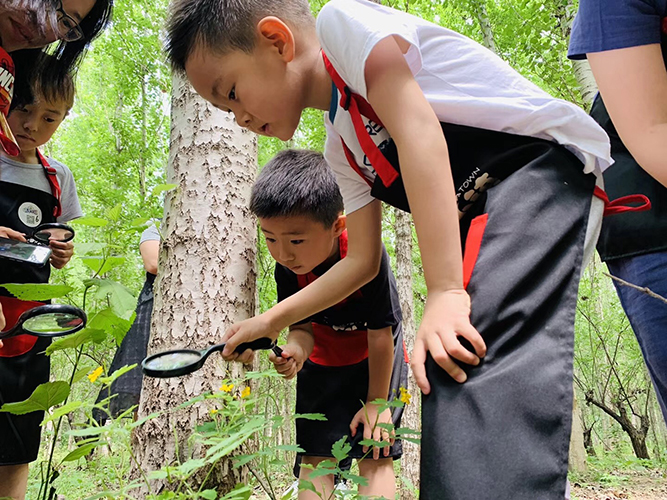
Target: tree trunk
{"x": 411, "y": 420}
{"x": 577, "y": 462}
{"x": 482, "y": 15}
{"x": 206, "y": 278}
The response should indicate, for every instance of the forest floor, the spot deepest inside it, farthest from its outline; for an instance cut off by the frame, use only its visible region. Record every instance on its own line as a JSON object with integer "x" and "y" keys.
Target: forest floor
{"x": 633, "y": 484}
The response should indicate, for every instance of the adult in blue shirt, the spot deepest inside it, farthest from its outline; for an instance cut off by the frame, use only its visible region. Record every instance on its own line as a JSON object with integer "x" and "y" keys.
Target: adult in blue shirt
{"x": 625, "y": 42}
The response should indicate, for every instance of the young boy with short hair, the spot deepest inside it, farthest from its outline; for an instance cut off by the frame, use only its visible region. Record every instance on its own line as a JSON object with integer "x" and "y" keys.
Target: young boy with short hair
{"x": 348, "y": 355}
{"x": 33, "y": 190}
{"x": 489, "y": 164}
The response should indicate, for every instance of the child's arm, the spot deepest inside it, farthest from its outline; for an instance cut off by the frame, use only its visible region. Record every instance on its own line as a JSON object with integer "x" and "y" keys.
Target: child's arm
{"x": 635, "y": 99}
{"x": 380, "y": 364}
{"x": 364, "y": 228}
{"x": 401, "y": 105}
{"x": 296, "y": 351}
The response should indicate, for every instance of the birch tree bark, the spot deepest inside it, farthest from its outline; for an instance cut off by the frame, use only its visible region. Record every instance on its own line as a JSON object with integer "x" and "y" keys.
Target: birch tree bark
{"x": 206, "y": 278}
{"x": 482, "y": 15}
{"x": 411, "y": 418}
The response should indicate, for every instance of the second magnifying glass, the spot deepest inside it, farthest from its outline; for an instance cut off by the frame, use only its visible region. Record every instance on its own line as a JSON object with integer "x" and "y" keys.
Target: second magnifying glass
{"x": 178, "y": 362}
{"x": 49, "y": 320}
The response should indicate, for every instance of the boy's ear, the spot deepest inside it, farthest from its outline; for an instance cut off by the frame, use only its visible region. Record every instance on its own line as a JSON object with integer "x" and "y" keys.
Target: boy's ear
{"x": 340, "y": 225}
{"x": 275, "y": 32}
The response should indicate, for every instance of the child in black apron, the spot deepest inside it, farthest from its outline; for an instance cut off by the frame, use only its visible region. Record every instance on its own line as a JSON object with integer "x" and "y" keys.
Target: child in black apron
{"x": 503, "y": 206}
{"x": 33, "y": 191}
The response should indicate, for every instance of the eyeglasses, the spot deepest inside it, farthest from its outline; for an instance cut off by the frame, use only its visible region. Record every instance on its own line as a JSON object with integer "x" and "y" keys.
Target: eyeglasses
{"x": 68, "y": 29}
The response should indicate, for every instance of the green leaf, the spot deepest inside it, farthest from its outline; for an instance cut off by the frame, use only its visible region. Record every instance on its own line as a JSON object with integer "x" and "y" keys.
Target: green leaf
{"x": 121, "y": 371}
{"x": 160, "y": 188}
{"x": 208, "y": 494}
{"x": 187, "y": 468}
{"x": 114, "y": 213}
{"x": 81, "y": 451}
{"x": 101, "y": 265}
{"x": 90, "y": 221}
{"x": 290, "y": 447}
{"x": 44, "y": 397}
{"x": 63, "y": 410}
{"x": 75, "y": 340}
{"x": 140, "y": 222}
{"x": 108, "y": 321}
{"x": 311, "y": 416}
{"x": 37, "y": 291}
{"x": 120, "y": 298}
{"x": 306, "y": 486}
{"x": 341, "y": 449}
{"x": 88, "y": 431}
{"x": 240, "y": 492}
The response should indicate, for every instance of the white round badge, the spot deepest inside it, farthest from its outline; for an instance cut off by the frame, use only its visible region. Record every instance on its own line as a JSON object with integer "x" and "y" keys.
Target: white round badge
{"x": 30, "y": 214}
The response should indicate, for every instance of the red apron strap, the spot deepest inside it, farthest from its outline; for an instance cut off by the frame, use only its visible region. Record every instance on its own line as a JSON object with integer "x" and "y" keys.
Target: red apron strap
{"x": 621, "y": 205}
{"x": 52, "y": 177}
{"x": 353, "y": 103}
{"x": 13, "y": 308}
{"x": 353, "y": 163}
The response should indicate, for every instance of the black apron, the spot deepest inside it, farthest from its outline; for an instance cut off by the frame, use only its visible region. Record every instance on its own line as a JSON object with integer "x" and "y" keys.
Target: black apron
{"x": 525, "y": 203}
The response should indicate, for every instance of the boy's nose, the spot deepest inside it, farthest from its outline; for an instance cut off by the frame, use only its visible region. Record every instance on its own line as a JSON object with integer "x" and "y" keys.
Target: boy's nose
{"x": 30, "y": 125}
{"x": 243, "y": 119}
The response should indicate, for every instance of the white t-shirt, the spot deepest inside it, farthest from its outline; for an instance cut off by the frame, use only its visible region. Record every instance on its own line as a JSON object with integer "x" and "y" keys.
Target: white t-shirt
{"x": 465, "y": 83}
{"x": 32, "y": 175}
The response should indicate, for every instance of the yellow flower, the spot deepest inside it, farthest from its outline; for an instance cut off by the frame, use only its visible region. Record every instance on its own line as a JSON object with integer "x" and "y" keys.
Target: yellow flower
{"x": 213, "y": 412}
{"x": 245, "y": 392}
{"x": 93, "y": 376}
{"x": 227, "y": 387}
{"x": 405, "y": 395}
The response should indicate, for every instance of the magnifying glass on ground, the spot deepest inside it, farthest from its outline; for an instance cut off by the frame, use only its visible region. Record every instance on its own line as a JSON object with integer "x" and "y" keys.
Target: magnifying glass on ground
{"x": 49, "y": 320}
{"x": 178, "y": 362}
{"x": 51, "y": 231}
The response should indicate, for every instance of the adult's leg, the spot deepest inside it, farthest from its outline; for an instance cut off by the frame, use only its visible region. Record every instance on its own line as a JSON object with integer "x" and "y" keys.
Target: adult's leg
{"x": 323, "y": 484}
{"x": 13, "y": 481}
{"x": 381, "y": 479}
{"x": 504, "y": 434}
{"x": 647, "y": 315}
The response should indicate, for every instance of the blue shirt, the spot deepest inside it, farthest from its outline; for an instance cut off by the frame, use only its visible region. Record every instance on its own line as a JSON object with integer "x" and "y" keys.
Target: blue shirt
{"x": 603, "y": 25}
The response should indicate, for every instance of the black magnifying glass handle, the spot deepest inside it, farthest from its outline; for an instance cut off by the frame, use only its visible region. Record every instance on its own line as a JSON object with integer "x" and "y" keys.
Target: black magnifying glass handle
{"x": 52, "y": 231}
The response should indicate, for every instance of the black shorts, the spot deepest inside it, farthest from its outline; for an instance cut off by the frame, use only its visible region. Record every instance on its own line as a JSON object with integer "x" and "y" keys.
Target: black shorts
{"x": 339, "y": 393}
{"x": 19, "y": 376}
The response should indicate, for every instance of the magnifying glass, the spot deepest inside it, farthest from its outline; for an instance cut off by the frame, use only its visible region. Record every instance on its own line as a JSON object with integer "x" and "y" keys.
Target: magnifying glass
{"x": 49, "y": 320}
{"x": 51, "y": 231}
{"x": 178, "y": 362}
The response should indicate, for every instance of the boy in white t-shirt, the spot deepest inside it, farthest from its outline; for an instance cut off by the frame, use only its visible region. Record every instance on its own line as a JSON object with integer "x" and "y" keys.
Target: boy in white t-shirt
{"x": 486, "y": 158}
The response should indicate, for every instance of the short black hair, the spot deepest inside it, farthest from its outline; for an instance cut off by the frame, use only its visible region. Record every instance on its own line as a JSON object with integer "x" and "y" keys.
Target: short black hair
{"x": 224, "y": 25}
{"x": 297, "y": 182}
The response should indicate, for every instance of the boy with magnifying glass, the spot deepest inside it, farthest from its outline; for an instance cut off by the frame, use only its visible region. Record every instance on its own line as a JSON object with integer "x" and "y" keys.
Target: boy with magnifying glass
{"x": 33, "y": 190}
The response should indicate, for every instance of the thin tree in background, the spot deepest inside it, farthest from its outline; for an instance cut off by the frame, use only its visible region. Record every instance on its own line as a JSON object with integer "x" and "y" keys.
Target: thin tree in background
{"x": 206, "y": 278}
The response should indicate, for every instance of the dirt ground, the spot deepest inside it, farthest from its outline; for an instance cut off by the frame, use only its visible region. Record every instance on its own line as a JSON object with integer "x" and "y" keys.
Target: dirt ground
{"x": 646, "y": 485}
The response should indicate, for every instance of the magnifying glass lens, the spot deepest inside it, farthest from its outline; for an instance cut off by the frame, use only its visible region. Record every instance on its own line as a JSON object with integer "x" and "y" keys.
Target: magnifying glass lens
{"x": 56, "y": 233}
{"x": 52, "y": 323}
{"x": 173, "y": 360}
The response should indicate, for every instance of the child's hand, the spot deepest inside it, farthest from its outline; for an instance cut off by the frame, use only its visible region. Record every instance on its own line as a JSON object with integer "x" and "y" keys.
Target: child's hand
{"x": 6, "y": 232}
{"x": 446, "y": 317}
{"x": 292, "y": 360}
{"x": 247, "y": 331}
{"x": 368, "y": 416}
{"x": 61, "y": 252}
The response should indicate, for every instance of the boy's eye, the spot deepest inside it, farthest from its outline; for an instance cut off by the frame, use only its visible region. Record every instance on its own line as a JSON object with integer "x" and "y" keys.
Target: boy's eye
{"x": 232, "y": 94}
{"x": 49, "y": 120}
{"x": 296, "y": 242}
{"x": 270, "y": 240}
